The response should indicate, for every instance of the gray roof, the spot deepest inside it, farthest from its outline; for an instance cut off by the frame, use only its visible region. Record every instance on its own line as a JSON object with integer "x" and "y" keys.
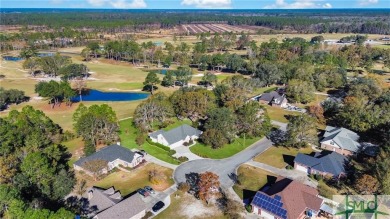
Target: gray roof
{"x": 127, "y": 208}
{"x": 273, "y": 96}
{"x": 177, "y": 134}
{"x": 343, "y": 137}
{"x": 332, "y": 163}
{"x": 109, "y": 154}
{"x": 100, "y": 199}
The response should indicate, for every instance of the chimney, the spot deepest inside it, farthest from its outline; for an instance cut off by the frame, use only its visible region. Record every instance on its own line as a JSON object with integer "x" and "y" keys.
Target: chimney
{"x": 118, "y": 143}
{"x": 90, "y": 194}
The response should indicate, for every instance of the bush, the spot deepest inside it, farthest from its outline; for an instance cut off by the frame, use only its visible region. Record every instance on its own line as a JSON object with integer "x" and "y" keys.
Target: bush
{"x": 67, "y": 136}
{"x": 182, "y": 159}
{"x": 166, "y": 148}
{"x": 248, "y": 208}
{"x": 140, "y": 139}
{"x": 289, "y": 167}
{"x": 186, "y": 143}
{"x": 184, "y": 187}
{"x": 325, "y": 190}
{"x": 172, "y": 152}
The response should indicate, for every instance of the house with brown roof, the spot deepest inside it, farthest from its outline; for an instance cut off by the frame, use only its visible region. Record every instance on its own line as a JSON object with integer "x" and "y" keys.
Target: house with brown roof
{"x": 287, "y": 199}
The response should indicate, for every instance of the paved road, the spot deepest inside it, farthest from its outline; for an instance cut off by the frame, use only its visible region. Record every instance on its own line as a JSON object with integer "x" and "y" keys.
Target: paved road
{"x": 223, "y": 167}
{"x": 282, "y": 126}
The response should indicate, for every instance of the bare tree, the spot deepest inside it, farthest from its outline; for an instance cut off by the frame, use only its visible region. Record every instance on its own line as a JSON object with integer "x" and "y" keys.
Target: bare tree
{"x": 96, "y": 167}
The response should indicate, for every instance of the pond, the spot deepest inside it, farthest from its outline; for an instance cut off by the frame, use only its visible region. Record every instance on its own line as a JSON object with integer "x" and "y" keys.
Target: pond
{"x": 96, "y": 95}
{"x": 12, "y": 58}
{"x": 45, "y": 54}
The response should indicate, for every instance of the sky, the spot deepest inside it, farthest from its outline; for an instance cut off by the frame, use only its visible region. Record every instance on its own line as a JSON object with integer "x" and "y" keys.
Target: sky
{"x": 196, "y": 4}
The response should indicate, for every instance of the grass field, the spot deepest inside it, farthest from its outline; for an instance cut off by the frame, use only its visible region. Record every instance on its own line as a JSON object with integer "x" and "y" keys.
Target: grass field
{"x": 138, "y": 178}
{"x": 226, "y": 151}
{"x": 280, "y": 156}
{"x": 251, "y": 179}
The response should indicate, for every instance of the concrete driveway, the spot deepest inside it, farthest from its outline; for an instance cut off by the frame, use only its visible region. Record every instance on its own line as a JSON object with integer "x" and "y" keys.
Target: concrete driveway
{"x": 223, "y": 167}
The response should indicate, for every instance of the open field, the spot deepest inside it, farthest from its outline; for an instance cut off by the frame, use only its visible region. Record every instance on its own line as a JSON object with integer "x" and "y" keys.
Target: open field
{"x": 252, "y": 179}
{"x": 280, "y": 157}
{"x": 214, "y": 28}
{"x": 138, "y": 178}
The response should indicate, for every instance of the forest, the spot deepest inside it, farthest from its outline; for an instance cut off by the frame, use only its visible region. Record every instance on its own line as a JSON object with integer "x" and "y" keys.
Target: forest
{"x": 114, "y": 21}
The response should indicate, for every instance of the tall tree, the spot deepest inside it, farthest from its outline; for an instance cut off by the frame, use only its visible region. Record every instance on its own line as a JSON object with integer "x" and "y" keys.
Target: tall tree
{"x": 168, "y": 79}
{"x": 150, "y": 81}
{"x": 302, "y": 130}
{"x": 208, "y": 185}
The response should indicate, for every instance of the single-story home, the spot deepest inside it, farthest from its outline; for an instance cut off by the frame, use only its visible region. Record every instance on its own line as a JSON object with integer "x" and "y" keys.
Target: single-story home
{"x": 101, "y": 199}
{"x": 340, "y": 140}
{"x": 175, "y": 137}
{"x": 286, "y": 199}
{"x": 115, "y": 155}
{"x": 326, "y": 164}
{"x": 132, "y": 207}
{"x": 274, "y": 99}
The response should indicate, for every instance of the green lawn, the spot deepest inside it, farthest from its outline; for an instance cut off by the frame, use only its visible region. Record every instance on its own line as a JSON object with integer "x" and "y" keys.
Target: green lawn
{"x": 74, "y": 147}
{"x": 251, "y": 178}
{"x": 279, "y": 114}
{"x": 223, "y": 152}
{"x": 128, "y": 135}
{"x": 138, "y": 178}
{"x": 280, "y": 156}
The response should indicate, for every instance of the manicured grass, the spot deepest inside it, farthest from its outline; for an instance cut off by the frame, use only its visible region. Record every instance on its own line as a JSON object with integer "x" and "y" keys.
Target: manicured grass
{"x": 74, "y": 147}
{"x": 251, "y": 178}
{"x": 225, "y": 151}
{"x": 128, "y": 134}
{"x": 279, "y": 114}
{"x": 138, "y": 178}
{"x": 280, "y": 156}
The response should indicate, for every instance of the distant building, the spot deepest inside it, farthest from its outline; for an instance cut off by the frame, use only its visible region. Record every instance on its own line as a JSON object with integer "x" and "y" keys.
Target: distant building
{"x": 274, "y": 99}
{"x": 340, "y": 140}
{"x": 115, "y": 155}
{"x": 287, "y": 199}
{"x": 326, "y": 164}
{"x": 175, "y": 137}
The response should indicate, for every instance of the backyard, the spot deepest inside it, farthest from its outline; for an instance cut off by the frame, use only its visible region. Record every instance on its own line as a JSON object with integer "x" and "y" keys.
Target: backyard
{"x": 251, "y": 179}
{"x": 280, "y": 157}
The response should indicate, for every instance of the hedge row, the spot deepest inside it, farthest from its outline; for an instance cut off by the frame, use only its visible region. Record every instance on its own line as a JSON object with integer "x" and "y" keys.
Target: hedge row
{"x": 165, "y": 148}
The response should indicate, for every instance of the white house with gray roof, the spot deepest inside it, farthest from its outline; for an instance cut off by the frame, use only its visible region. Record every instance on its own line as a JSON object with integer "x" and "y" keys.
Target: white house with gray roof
{"x": 175, "y": 137}
{"x": 340, "y": 140}
{"x": 115, "y": 155}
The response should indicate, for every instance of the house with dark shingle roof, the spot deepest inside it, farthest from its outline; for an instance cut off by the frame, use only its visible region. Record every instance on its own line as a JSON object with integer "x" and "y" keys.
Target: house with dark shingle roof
{"x": 340, "y": 140}
{"x": 175, "y": 137}
{"x": 326, "y": 164}
{"x": 286, "y": 199}
{"x": 101, "y": 199}
{"x": 274, "y": 99}
{"x": 132, "y": 207}
{"x": 115, "y": 155}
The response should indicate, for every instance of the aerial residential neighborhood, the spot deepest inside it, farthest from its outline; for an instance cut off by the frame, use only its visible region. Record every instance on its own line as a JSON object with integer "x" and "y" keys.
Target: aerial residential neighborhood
{"x": 198, "y": 109}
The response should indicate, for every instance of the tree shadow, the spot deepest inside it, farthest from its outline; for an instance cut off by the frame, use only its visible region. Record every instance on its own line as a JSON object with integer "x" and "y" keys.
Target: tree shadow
{"x": 248, "y": 195}
{"x": 193, "y": 179}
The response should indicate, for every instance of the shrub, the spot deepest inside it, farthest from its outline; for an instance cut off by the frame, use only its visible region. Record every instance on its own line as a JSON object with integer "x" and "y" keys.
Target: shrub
{"x": 67, "y": 136}
{"x": 166, "y": 148}
{"x": 190, "y": 142}
{"x": 289, "y": 167}
{"x": 184, "y": 187}
{"x": 186, "y": 144}
{"x": 156, "y": 177}
{"x": 248, "y": 208}
{"x": 140, "y": 139}
{"x": 325, "y": 190}
{"x": 172, "y": 152}
{"x": 182, "y": 159}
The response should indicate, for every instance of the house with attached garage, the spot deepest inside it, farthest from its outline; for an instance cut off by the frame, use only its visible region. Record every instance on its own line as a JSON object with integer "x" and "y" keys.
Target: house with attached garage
{"x": 132, "y": 207}
{"x": 340, "y": 140}
{"x": 175, "y": 137}
{"x": 274, "y": 99}
{"x": 115, "y": 155}
{"x": 286, "y": 199}
{"x": 326, "y": 164}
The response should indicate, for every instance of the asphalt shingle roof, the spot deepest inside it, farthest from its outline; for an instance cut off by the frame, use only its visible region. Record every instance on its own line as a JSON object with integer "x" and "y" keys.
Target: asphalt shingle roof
{"x": 177, "y": 134}
{"x": 332, "y": 163}
{"x": 109, "y": 154}
{"x": 102, "y": 199}
{"x": 127, "y": 208}
{"x": 343, "y": 137}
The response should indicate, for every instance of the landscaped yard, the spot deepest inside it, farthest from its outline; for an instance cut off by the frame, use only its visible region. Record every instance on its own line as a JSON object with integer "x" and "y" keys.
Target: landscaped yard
{"x": 138, "y": 178}
{"x": 186, "y": 206}
{"x": 128, "y": 135}
{"x": 280, "y": 157}
{"x": 252, "y": 179}
{"x": 226, "y": 151}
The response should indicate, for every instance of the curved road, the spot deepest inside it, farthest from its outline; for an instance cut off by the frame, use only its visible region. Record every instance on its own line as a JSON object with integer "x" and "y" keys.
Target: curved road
{"x": 223, "y": 167}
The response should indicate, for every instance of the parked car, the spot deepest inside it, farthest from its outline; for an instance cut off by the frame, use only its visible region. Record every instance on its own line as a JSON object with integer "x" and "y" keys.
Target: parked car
{"x": 149, "y": 189}
{"x": 143, "y": 192}
{"x": 158, "y": 206}
{"x": 143, "y": 152}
